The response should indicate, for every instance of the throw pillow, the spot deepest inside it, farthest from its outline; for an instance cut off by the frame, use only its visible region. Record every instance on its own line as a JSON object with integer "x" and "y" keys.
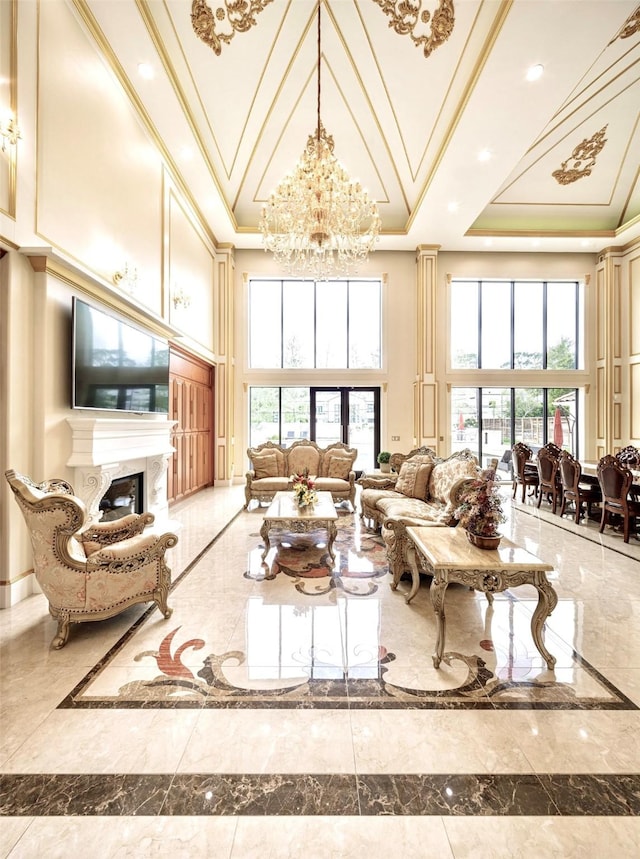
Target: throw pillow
{"x": 413, "y": 478}
{"x": 339, "y": 467}
{"x": 445, "y": 475}
{"x": 265, "y": 465}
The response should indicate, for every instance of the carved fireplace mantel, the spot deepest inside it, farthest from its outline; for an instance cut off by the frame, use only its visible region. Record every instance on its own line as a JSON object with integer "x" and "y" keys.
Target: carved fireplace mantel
{"x": 106, "y": 448}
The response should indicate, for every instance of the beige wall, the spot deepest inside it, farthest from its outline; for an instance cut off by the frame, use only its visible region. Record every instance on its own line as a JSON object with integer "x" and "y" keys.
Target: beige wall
{"x": 92, "y": 193}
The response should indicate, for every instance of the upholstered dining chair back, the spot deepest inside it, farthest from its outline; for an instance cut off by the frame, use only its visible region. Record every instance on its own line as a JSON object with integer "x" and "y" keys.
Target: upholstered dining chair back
{"x": 576, "y": 488}
{"x": 525, "y": 471}
{"x": 615, "y": 481}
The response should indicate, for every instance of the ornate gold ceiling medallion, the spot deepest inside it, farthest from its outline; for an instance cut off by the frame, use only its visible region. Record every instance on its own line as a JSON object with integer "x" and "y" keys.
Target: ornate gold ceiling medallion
{"x": 630, "y": 26}
{"x": 406, "y": 17}
{"x": 583, "y": 159}
{"x": 238, "y": 15}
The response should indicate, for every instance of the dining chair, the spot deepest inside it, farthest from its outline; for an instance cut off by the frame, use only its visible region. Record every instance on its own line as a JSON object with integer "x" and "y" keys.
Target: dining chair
{"x": 525, "y": 471}
{"x": 575, "y": 488}
{"x": 549, "y": 483}
{"x": 615, "y": 481}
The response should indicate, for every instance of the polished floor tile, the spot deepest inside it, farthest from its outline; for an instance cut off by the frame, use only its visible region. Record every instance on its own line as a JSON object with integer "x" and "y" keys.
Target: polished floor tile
{"x": 289, "y": 710}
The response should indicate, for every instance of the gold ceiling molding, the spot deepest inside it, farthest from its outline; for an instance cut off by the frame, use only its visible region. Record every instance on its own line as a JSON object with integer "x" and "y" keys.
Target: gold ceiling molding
{"x": 405, "y": 16}
{"x": 583, "y": 159}
{"x": 239, "y": 15}
{"x": 630, "y": 26}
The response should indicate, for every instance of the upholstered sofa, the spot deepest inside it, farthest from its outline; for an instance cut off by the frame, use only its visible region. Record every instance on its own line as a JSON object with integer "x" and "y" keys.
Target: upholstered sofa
{"x": 426, "y": 491}
{"x": 272, "y": 465}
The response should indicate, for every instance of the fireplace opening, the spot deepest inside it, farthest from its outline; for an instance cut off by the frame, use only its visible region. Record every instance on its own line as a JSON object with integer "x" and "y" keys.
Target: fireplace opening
{"x": 123, "y": 497}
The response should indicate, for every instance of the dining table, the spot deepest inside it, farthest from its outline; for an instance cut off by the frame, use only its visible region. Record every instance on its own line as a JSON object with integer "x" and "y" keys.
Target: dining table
{"x": 591, "y": 469}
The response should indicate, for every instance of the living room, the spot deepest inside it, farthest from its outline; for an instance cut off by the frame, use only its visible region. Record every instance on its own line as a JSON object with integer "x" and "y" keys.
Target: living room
{"x": 97, "y": 206}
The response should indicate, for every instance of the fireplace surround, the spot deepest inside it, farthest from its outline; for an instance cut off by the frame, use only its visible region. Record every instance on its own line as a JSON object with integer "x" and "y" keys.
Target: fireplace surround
{"x": 104, "y": 449}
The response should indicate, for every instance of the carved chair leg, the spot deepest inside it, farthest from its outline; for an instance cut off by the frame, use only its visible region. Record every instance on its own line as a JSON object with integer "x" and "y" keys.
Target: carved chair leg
{"x": 62, "y": 633}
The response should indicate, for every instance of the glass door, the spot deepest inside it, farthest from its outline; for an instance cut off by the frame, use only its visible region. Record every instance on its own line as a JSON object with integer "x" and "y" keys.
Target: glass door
{"x": 349, "y": 415}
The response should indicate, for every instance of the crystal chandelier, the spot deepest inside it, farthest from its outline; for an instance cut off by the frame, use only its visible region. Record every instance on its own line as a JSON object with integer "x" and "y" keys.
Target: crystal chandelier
{"x": 318, "y": 221}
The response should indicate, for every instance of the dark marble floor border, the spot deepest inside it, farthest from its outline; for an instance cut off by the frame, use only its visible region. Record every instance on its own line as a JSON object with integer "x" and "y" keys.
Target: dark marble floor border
{"x": 504, "y": 795}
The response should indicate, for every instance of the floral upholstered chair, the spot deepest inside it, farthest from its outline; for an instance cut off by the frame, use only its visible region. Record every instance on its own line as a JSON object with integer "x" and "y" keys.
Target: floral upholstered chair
{"x": 90, "y": 573}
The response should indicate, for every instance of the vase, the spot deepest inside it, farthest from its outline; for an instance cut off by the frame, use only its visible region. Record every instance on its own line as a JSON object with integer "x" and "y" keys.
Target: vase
{"x": 482, "y": 541}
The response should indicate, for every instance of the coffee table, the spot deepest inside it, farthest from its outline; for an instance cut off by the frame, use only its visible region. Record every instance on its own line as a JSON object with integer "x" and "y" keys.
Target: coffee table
{"x": 284, "y": 514}
{"x": 450, "y": 557}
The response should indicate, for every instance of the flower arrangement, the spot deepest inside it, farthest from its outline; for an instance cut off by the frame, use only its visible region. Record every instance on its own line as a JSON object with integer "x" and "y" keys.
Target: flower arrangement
{"x": 304, "y": 489}
{"x": 480, "y": 509}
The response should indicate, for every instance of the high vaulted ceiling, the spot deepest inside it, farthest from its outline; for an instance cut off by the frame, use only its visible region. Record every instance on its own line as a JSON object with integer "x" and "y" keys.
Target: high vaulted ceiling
{"x": 412, "y": 92}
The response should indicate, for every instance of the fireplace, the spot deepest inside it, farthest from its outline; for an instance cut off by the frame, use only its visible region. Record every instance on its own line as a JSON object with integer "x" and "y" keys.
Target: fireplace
{"x": 107, "y": 450}
{"x": 123, "y": 497}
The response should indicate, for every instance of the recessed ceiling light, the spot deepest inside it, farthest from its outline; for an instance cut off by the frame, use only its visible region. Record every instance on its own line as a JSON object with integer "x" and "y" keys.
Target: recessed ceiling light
{"x": 535, "y": 72}
{"x": 585, "y": 243}
{"x": 186, "y": 153}
{"x": 145, "y": 71}
{"x": 484, "y": 155}
{"x": 453, "y": 206}
{"x": 488, "y": 242}
{"x": 535, "y": 243}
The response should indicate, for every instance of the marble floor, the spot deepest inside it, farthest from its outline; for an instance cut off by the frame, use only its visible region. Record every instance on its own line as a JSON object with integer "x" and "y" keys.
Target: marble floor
{"x": 290, "y": 710}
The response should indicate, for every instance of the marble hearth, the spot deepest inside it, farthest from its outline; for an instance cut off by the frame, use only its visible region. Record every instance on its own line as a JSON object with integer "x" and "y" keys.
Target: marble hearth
{"x": 107, "y": 448}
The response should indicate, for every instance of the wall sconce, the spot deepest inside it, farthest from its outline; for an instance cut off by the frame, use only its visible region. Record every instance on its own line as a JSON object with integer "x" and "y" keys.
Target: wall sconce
{"x": 10, "y": 132}
{"x": 127, "y": 279}
{"x": 180, "y": 298}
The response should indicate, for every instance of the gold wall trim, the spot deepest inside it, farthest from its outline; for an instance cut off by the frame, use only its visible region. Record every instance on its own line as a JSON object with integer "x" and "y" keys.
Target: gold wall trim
{"x": 8, "y": 582}
{"x": 45, "y": 260}
{"x": 107, "y": 53}
{"x": 13, "y": 107}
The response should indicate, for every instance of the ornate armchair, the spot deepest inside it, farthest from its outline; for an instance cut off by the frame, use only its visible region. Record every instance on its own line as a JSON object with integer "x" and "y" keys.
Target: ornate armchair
{"x": 93, "y": 573}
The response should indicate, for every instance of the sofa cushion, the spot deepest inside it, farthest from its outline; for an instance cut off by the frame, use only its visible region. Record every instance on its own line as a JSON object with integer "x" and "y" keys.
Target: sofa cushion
{"x": 445, "y": 474}
{"x": 303, "y": 457}
{"x": 338, "y": 466}
{"x": 265, "y": 465}
{"x": 403, "y": 508}
{"x": 413, "y": 479}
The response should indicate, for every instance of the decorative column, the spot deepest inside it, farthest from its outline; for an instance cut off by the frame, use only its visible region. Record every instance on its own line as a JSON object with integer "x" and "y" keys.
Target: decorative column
{"x": 608, "y": 430}
{"x": 425, "y": 407}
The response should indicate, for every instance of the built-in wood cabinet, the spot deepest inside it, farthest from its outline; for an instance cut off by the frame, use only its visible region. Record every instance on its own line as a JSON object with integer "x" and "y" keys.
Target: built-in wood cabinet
{"x": 191, "y": 405}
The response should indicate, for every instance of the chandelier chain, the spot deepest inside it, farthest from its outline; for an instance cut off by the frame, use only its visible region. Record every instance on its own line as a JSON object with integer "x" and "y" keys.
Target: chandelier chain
{"x": 319, "y": 221}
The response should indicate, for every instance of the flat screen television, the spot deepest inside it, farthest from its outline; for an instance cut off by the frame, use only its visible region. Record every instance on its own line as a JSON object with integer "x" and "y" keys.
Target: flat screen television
{"x": 115, "y": 365}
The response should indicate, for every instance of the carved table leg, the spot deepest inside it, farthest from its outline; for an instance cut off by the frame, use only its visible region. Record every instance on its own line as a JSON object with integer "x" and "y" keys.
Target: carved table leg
{"x": 547, "y": 601}
{"x": 415, "y": 570}
{"x": 332, "y": 531}
{"x": 437, "y": 592}
{"x": 264, "y": 533}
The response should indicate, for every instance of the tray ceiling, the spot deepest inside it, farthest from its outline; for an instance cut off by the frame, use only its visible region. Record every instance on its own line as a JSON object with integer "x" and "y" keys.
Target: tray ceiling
{"x": 411, "y": 103}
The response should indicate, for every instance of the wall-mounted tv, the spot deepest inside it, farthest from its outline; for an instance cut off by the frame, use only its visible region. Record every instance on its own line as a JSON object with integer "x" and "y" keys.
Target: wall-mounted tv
{"x": 115, "y": 364}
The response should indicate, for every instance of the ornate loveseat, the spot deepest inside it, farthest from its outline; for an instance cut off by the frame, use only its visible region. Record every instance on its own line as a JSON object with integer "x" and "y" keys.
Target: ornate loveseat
{"x": 426, "y": 491}
{"x": 272, "y": 466}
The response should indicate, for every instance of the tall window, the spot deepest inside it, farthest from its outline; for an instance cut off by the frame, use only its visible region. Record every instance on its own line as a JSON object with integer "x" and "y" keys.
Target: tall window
{"x": 490, "y": 420}
{"x": 518, "y": 325}
{"x": 333, "y": 324}
{"x": 500, "y": 327}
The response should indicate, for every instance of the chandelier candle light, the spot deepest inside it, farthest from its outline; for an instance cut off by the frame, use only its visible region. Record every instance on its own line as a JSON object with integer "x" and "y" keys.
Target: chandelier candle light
{"x": 318, "y": 221}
